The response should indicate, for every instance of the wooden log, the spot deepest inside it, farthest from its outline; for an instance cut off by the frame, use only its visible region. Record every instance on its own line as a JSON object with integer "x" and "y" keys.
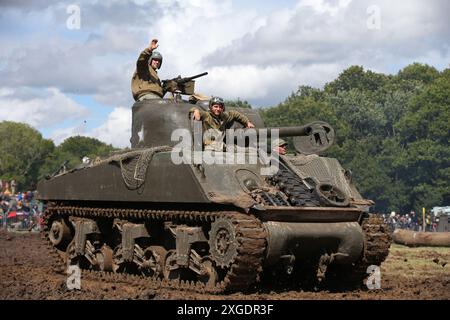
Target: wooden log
{"x": 416, "y": 239}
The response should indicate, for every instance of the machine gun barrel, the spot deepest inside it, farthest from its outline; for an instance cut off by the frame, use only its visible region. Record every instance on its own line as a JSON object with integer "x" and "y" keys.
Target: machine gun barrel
{"x": 181, "y": 85}
{"x": 183, "y": 80}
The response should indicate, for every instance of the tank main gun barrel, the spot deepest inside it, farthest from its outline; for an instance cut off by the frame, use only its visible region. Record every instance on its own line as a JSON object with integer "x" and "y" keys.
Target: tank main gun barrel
{"x": 288, "y": 131}
{"x": 305, "y": 130}
{"x": 311, "y": 138}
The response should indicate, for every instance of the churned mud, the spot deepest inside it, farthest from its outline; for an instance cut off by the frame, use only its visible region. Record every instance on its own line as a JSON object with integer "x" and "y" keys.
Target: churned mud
{"x": 27, "y": 271}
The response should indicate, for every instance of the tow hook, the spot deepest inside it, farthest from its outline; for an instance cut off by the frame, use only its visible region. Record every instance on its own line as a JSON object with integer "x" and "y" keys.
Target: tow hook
{"x": 288, "y": 262}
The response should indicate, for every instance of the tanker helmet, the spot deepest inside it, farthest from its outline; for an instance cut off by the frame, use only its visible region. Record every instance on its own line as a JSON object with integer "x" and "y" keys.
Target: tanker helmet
{"x": 216, "y": 100}
{"x": 156, "y": 56}
{"x": 278, "y": 143}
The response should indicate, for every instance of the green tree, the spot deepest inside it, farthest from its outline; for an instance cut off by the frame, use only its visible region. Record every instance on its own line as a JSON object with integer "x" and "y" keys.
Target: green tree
{"x": 424, "y": 132}
{"x": 356, "y": 78}
{"x": 300, "y": 108}
{"x": 428, "y": 113}
{"x": 238, "y": 103}
{"x": 22, "y": 153}
{"x": 360, "y": 111}
{"x": 84, "y": 146}
{"x": 373, "y": 178}
{"x": 419, "y": 72}
{"x": 73, "y": 149}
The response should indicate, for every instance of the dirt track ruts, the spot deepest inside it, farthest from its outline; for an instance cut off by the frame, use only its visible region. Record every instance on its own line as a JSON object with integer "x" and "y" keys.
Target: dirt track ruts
{"x": 26, "y": 273}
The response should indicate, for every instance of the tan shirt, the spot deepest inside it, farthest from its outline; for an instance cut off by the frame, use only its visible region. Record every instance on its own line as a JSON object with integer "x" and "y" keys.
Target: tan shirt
{"x": 225, "y": 121}
{"x": 145, "y": 78}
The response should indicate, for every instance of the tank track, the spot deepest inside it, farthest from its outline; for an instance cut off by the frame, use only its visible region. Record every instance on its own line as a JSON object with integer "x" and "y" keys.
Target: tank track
{"x": 296, "y": 191}
{"x": 377, "y": 241}
{"x": 241, "y": 275}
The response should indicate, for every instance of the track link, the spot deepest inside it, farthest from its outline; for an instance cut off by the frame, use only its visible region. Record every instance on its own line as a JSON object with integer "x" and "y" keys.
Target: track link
{"x": 377, "y": 240}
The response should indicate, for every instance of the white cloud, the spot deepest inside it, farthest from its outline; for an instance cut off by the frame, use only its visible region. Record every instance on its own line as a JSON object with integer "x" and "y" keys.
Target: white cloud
{"x": 38, "y": 109}
{"x": 257, "y": 55}
{"x": 217, "y": 36}
{"x": 317, "y": 31}
{"x": 197, "y": 29}
{"x": 117, "y": 128}
{"x": 322, "y": 6}
{"x": 264, "y": 85}
{"x": 59, "y": 135}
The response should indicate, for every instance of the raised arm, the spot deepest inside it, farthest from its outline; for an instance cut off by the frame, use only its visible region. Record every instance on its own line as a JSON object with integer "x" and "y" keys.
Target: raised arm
{"x": 142, "y": 62}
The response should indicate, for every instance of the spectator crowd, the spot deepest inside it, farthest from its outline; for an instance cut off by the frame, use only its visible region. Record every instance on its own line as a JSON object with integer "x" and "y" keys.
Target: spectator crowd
{"x": 411, "y": 221}
{"x": 19, "y": 210}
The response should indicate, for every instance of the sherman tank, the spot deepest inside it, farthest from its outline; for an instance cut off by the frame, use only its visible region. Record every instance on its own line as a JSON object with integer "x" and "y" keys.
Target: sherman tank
{"x": 212, "y": 227}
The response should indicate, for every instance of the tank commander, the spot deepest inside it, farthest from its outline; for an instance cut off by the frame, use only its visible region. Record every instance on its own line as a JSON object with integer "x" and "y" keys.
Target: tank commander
{"x": 145, "y": 83}
{"x": 279, "y": 146}
{"x": 218, "y": 120}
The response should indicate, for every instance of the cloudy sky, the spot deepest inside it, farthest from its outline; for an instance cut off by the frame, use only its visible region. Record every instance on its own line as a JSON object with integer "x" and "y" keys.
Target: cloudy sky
{"x": 65, "y": 66}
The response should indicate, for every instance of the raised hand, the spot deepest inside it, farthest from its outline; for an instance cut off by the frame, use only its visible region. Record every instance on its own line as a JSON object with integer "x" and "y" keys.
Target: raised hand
{"x": 154, "y": 44}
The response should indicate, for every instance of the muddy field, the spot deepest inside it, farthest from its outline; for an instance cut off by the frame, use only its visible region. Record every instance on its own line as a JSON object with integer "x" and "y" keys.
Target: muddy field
{"x": 26, "y": 272}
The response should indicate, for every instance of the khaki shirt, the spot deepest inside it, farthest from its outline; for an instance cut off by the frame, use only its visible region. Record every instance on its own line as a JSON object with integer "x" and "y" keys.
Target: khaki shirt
{"x": 145, "y": 78}
{"x": 219, "y": 124}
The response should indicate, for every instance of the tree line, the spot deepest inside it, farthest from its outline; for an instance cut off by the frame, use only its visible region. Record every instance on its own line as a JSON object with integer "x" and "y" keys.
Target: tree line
{"x": 27, "y": 157}
{"x": 392, "y": 132}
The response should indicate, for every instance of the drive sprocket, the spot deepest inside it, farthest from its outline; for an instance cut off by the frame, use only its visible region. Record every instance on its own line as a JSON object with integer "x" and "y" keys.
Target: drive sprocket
{"x": 222, "y": 242}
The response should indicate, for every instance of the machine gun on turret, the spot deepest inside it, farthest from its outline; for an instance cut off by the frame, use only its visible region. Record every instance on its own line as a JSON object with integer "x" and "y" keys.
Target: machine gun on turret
{"x": 181, "y": 85}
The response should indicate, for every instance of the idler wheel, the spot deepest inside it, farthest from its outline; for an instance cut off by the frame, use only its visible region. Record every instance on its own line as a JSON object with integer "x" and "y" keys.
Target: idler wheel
{"x": 222, "y": 242}
{"x": 60, "y": 234}
{"x": 330, "y": 195}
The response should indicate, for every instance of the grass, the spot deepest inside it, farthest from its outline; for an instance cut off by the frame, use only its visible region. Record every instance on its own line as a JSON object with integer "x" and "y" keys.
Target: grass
{"x": 417, "y": 262}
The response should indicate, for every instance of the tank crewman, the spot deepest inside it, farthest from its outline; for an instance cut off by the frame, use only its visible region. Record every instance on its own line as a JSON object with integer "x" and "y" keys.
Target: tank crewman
{"x": 145, "y": 83}
{"x": 219, "y": 120}
{"x": 279, "y": 146}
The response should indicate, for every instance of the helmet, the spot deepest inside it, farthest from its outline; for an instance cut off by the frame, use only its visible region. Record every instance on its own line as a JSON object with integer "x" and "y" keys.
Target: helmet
{"x": 156, "y": 56}
{"x": 278, "y": 143}
{"x": 216, "y": 100}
